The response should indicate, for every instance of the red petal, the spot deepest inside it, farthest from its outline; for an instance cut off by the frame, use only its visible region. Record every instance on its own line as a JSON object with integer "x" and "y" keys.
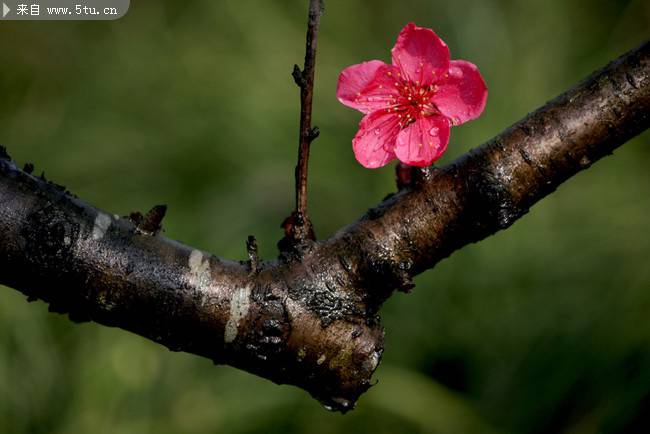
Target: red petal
{"x": 423, "y": 142}
{"x": 368, "y": 86}
{"x": 374, "y": 143}
{"x": 420, "y": 54}
{"x": 462, "y": 95}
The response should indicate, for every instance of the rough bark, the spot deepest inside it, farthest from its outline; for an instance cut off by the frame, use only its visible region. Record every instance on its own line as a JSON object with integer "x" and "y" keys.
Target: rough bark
{"x": 310, "y": 317}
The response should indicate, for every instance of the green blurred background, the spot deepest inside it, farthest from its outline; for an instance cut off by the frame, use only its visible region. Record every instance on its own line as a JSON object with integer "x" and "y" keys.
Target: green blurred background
{"x": 543, "y": 328}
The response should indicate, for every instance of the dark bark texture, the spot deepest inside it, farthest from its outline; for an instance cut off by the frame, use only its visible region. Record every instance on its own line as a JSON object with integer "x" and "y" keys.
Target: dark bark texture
{"x": 310, "y": 317}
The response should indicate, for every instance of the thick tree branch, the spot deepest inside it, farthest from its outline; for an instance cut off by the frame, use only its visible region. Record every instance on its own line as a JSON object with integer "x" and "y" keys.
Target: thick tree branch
{"x": 308, "y": 319}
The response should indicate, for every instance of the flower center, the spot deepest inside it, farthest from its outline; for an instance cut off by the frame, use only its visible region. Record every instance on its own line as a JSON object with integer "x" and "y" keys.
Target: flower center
{"x": 414, "y": 102}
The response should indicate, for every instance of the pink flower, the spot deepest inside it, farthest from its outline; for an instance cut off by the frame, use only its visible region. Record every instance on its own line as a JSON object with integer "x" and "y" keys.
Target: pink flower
{"x": 409, "y": 106}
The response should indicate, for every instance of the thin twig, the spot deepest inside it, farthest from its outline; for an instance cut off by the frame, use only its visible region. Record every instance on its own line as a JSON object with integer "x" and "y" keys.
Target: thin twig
{"x": 305, "y": 80}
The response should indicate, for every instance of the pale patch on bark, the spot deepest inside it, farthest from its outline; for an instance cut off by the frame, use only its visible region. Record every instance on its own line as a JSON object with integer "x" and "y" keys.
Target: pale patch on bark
{"x": 102, "y": 223}
{"x": 199, "y": 269}
{"x": 373, "y": 361}
{"x": 239, "y": 306}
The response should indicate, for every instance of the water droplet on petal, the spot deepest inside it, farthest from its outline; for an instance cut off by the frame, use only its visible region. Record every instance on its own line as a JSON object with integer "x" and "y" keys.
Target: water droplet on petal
{"x": 377, "y": 131}
{"x": 433, "y": 131}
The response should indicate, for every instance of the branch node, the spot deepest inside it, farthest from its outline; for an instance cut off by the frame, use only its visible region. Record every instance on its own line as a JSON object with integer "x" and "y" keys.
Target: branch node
{"x": 150, "y": 223}
{"x": 298, "y": 76}
{"x": 253, "y": 258}
{"x": 314, "y": 132}
{"x": 299, "y": 218}
{"x": 405, "y": 283}
{"x": 298, "y": 233}
{"x": 423, "y": 175}
{"x": 403, "y": 176}
{"x": 3, "y": 154}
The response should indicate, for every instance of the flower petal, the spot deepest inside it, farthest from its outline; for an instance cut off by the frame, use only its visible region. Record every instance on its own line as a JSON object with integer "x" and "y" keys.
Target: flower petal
{"x": 420, "y": 54}
{"x": 374, "y": 142}
{"x": 462, "y": 95}
{"x": 368, "y": 86}
{"x": 423, "y": 142}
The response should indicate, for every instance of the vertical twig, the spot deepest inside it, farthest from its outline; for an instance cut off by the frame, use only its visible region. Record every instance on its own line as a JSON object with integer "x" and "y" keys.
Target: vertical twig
{"x": 305, "y": 80}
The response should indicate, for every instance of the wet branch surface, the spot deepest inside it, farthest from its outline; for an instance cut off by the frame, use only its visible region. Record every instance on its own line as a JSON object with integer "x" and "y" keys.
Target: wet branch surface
{"x": 309, "y": 318}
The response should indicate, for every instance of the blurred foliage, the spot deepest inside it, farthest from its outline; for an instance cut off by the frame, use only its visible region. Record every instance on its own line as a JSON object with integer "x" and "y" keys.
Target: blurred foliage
{"x": 541, "y": 328}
